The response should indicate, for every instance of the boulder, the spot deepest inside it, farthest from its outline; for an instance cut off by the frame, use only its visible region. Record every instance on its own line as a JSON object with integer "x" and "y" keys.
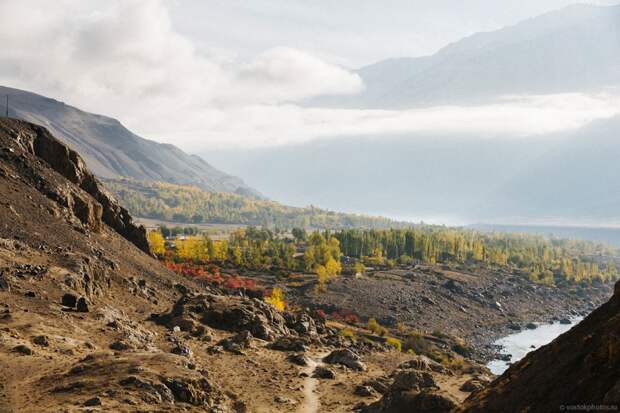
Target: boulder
{"x": 324, "y": 373}
{"x": 413, "y": 380}
{"x": 42, "y": 341}
{"x": 182, "y": 350}
{"x": 289, "y": 344}
{"x": 22, "y": 349}
{"x": 347, "y": 358}
{"x": 229, "y": 313}
{"x": 364, "y": 391}
{"x": 82, "y": 305}
{"x": 152, "y": 391}
{"x": 95, "y": 401}
{"x": 472, "y": 385}
{"x": 301, "y": 323}
{"x": 190, "y": 390}
{"x": 379, "y": 384}
{"x": 300, "y": 359}
{"x": 237, "y": 343}
{"x": 69, "y": 300}
{"x": 422, "y": 363}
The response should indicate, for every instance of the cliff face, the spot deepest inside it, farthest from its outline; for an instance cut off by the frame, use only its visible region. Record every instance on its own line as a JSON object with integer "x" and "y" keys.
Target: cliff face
{"x": 25, "y": 145}
{"x": 581, "y": 367}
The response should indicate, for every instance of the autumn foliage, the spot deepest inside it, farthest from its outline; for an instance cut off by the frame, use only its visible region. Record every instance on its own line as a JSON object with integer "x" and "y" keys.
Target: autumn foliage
{"x": 212, "y": 275}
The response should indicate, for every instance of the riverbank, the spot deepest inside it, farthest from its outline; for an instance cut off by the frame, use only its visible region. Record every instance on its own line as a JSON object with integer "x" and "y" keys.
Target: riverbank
{"x": 516, "y": 346}
{"x": 479, "y": 305}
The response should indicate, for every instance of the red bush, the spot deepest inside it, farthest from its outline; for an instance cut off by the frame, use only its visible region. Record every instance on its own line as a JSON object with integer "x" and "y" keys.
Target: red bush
{"x": 212, "y": 275}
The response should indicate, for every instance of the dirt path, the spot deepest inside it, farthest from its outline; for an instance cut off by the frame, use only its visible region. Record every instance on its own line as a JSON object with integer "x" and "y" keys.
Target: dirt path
{"x": 4, "y": 401}
{"x": 311, "y": 401}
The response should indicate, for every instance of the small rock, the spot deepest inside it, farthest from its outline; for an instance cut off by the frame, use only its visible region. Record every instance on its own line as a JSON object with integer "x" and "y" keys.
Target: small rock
{"x": 285, "y": 400}
{"x": 69, "y": 300}
{"x": 531, "y": 326}
{"x": 300, "y": 359}
{"x": 95, "y": 401}
{"x": 182, "y": 350}
{"x": 364, "y": 391}
{"x": 514, "y": 326}
{"x": 4, "y": 285}
{"x": 41, "y": 341}
{"x": 22, "y": 349}
{"x": 472, "y": 385}
{"x": 82, "y": 305}
{"x": 120, "y": 346}
{"x": 565, "y": 321}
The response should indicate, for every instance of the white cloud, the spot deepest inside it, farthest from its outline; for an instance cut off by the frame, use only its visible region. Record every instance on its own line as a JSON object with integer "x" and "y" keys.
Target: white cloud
{"x": 123, "y": 58}
{"x": 515, "y": 117}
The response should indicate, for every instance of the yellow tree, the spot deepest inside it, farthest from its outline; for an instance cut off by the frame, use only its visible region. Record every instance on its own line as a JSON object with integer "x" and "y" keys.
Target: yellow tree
{"x": 276, "y": 299}
{"x": 157, "y": 243}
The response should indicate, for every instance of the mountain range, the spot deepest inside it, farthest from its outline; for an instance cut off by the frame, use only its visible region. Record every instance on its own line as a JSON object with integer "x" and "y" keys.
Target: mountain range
{"x": 112, "y": 151}
{"x": 573, "y": 49}
{"x": 467, "y": 177}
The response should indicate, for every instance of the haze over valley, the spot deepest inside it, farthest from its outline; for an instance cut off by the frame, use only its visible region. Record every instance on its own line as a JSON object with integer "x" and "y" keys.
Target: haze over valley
{"x": 309, "y": 207}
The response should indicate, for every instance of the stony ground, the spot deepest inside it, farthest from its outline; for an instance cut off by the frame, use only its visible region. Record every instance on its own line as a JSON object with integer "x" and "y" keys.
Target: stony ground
{"x": 479, "y": 305}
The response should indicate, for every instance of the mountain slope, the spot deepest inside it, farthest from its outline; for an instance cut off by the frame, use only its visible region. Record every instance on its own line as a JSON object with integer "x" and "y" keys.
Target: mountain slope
{"x": 585, "y": 370}
{"x": 112, "y": 151}
{"x": 573, "y": 49}
{"x": 185, "y": 204}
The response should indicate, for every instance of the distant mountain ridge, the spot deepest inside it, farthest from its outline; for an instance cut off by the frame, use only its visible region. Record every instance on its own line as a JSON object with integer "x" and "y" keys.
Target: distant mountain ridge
{"x": 112, "y": 151}
{"x": 573, "y": 49}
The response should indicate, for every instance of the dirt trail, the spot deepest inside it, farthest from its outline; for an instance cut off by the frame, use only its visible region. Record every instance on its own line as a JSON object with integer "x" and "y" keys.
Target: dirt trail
{"x": 5, "y": 406}
{"x": 311, "y": 402}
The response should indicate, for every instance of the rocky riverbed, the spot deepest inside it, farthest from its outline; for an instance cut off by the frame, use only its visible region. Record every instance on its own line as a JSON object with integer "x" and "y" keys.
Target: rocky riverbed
{"x": 478, "y": 304}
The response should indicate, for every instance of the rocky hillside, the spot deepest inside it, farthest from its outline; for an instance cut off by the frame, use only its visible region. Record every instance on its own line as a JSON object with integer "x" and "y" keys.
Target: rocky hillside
{"x": 90, "y": 322}
{"x": 581, "y": 367}
{"x": 112, "y": 151}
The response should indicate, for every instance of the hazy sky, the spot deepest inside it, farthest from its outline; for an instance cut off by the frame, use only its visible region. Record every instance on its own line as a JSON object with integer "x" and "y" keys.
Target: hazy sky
{"x": 229, "y": 73}
{"x": 349, "y": 32}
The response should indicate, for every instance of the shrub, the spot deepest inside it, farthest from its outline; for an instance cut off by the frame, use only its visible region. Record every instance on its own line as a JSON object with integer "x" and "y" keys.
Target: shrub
{"x": 348, "y": 333}
{"x": 276, "y": 299}
{"x": 417, "y": 343}
{"x": 376, "y": 328}
{"x": 359, "y": 268}
{"x": 394, "y": 342}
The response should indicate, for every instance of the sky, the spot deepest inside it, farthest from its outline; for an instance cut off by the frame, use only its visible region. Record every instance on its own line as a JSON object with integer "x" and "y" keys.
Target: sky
{"x": 230, "y": 73}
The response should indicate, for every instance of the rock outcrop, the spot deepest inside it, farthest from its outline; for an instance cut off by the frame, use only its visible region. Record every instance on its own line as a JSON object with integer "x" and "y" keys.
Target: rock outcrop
{"x": 93, "y": 206}
{"x": 581, "y": 367}
{"x": 192, "y": 313}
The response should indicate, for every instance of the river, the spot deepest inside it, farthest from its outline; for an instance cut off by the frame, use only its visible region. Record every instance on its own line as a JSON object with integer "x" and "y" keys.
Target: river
{"x": 519, "y": 344}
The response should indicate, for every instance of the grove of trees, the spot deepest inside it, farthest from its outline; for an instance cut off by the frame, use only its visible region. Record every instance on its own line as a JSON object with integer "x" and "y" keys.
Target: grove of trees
{"x": 543, "y": 258}
{"x": 187, "y": 204}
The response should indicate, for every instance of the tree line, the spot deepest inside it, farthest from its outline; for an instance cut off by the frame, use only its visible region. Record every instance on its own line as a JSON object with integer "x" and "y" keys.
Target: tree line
{"x": 191, "y": 205}
{"x": 544, "y": 259}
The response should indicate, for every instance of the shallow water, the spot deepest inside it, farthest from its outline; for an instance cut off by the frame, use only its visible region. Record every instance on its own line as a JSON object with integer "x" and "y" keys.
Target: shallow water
{"x": 519, "y": 344}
